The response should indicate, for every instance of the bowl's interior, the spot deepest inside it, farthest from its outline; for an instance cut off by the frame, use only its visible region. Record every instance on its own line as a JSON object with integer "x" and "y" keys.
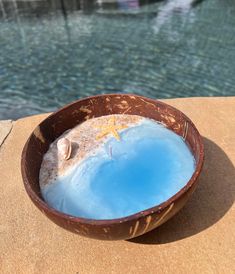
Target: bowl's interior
{"x": 77, "y": 112}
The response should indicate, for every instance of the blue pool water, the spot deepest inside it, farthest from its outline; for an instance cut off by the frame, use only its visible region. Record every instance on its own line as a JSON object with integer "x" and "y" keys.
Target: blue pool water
{"x": 53, "y": 52}
{"x": 148, "y": 166}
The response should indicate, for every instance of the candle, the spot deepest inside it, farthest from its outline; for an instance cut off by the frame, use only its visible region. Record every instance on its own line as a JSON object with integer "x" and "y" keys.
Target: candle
{"x": 118, "y": 165}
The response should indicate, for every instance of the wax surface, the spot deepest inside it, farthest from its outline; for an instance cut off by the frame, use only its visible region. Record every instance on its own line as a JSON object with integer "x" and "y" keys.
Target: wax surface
{"x": 148, "y": 166}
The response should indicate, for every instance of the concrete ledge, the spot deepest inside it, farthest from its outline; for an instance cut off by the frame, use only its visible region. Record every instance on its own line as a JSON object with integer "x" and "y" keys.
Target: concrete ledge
{"x": 5, "y": 129}
{"x": 200, "y": 239}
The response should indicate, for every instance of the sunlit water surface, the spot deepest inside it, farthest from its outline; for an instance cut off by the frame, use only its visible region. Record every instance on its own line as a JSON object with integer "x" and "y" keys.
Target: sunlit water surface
{"x": 175, "y": 48}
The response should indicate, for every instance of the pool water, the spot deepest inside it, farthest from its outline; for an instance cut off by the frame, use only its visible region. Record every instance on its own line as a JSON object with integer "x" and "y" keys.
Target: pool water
{"x": 54, "y": 52}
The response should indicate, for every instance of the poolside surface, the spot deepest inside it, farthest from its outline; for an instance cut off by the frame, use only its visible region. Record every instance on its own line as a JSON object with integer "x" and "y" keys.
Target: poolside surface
{"x": 200, "y": 239}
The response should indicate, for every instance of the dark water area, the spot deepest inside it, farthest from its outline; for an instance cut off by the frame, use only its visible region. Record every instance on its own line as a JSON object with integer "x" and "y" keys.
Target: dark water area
{"x": 54, "y": 52}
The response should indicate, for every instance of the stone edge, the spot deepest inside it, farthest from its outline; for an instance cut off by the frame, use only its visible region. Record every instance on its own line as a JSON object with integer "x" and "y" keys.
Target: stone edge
{"x": 6, "y": 127}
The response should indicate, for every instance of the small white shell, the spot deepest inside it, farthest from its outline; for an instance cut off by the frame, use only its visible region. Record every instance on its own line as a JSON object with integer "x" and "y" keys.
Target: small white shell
{"x": 64, "y": 148}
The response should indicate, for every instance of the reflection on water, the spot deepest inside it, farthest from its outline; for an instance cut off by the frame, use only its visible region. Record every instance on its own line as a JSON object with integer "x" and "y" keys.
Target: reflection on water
{"x": 53, "y": 52}
{"x": 2, "y": 9}
{"x": 128, "y": 4}
{"x": 165, "y": 12}
{"x": 7, "y": 7}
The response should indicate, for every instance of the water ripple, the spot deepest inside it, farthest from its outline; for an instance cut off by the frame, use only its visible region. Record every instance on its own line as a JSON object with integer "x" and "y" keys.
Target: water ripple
{"x": 168, "y": 49}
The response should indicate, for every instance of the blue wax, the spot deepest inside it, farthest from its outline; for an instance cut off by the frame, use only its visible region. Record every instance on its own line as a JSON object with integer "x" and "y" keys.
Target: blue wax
{"x": 148, "y": 166}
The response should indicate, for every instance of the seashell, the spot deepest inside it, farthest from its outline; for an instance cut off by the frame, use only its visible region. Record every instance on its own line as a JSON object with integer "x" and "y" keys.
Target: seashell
{"x": 64, "y": 147}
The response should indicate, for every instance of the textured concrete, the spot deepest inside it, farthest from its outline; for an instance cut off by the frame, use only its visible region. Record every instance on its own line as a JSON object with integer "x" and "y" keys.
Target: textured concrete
{"x": 200, "y": 239}
{"x": 5, "y": 129}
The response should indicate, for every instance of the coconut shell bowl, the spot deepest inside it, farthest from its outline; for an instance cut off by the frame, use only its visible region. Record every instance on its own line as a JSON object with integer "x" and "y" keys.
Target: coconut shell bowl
{"x": 75, "y": 113}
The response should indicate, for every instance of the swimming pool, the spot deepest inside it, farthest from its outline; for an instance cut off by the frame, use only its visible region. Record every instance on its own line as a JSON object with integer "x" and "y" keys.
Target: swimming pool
{"x": 53, "y": 52}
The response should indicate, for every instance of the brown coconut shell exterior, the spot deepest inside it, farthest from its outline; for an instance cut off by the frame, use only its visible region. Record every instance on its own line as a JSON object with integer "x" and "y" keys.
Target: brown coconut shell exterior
{"x": 77, "y": 112}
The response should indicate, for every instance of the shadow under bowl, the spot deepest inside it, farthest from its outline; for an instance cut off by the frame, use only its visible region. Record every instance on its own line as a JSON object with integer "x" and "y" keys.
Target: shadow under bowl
{"x": 72, "y": 115}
